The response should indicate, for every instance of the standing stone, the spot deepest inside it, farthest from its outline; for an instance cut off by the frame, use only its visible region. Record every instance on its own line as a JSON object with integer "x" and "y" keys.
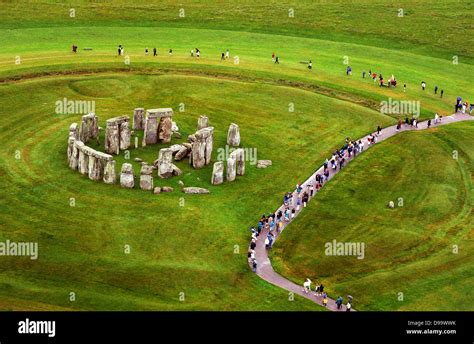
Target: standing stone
{"x": 70, "y": 147}
{"x": 73, "y": 163}
{"x": 109, "y": 172}
{"x": 233, "y": 135}
{"x": 83, "y": 162}
{"x": 139, "y": 118}
{"x": 239, "y": 157}
{"x": 146, "y": 178}
{"x": 218, "y": 173}
{"x": 203, "y": 122}
{"x": 165, "y": 132}
{"x": 112, "y": 138}
{"x": 89, "y": 127}
{"x": 127, "y": 178}
{"x": 201, "y": 149}
{"x": 150, "y": 134}
{"x": 124, "y": 136}
{"x": 231, "y": 170}
{"x": 74, "y": 131}
{"x": 164, "y": 163}
{"x": 94, "y": 168}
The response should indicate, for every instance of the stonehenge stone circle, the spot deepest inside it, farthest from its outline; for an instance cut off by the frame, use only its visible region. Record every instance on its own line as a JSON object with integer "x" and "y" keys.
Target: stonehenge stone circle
{"x": 233, "y": 135}
{"x": 158, "y": 125}
{"x": 231, "y": 169}
{"x": 146, "y": 178}
{"x": 117, "y": 134}
{"x": 139, "y": 119}
{"x": 202, "y": 147}
{"x": 218, "y": 173}
{"x": 203, "y": 122}
{"x": 89, "y": 127}
{"x": 127, "y": 177}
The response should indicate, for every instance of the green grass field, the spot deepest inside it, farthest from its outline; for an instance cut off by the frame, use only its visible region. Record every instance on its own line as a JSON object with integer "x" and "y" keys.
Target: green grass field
{"x": 197, "y": 244}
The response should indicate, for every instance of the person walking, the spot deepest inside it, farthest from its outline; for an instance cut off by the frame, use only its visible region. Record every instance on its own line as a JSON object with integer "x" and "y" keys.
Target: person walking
{"x": 339, "y": 302}
{"x": 436, "y": 89}
{"x": 379, "y": 129}
{"x": 348, "y": 307}
{"x": 429, "y": 123}
{"x": 307, "y": 286}
{"x": 423, "y": 85}
{"x": 310, "y": 65}
{"x": 441, "y": 94}
{"x": 325, "y": 300}
{"x": 146, "y": 51}
{"x": 154, "y": 52}
{"x": 436, "y": 118}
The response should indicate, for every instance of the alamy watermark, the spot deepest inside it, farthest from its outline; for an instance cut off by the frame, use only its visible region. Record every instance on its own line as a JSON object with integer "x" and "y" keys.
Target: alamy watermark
{"x": 400, "y": 107}
{"x": 335, "y": 248}
{"x": 11, "y": 248}
{"x": 74, "y": 107}
{"x": 250, "y": 154}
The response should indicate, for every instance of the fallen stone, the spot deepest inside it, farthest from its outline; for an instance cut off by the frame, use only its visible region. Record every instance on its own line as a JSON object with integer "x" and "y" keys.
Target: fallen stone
{"x": 157, "y": 190}
{"x": 264, "y": 163}
{"x": 195, "y": 190}
{"x": 167, "y": 189}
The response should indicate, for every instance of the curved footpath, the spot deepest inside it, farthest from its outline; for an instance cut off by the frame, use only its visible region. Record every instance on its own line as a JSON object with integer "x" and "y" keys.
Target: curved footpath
{"x": 264, "y": 266}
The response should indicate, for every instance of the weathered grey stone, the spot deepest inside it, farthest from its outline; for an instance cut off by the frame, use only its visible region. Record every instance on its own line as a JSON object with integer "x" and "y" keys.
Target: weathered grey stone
{"x": 95, "y": 168}
{"x": 112, "y": 138}
{"x": 177, "y": 134}
{"x": 201, "y": 150}
{"x": 109, "y": 172}
{"x": 146, "y": 178}
{"x": 165, "y": 167}
{"x": 180, "y": 183}
{"x": 70, "y": 146}
{"x": 182, "y": 153}
{"x": 83, "y": 162}
{"x": 137, "y": 160}
{"x": 139, "y": 119}
{"x": 175, "y": 148}
{"x": 74, "y": 131}
{"x": 195, "y": 190}
{"x": 176, "y": 170}
{"x": 127, "y": 177}
{"x": 89, "y": 127}
{"x": 150, "y": 135}
{"x": 191, "y": 138}
{"x": 264, "y": 163}
{"x": 73, "y": 163}
{"x": 203, "y": 122}
{"x": 167, "y": 189}
{"x": 157, "y": 190}
{"x": 231, "y": 169}
{"x": 239, "y": 157}
{"x": 218, "y": 173}
{"x": 124, "y": 136}
{"x": 164, "y": 131}
{"x": 233, "y": 135}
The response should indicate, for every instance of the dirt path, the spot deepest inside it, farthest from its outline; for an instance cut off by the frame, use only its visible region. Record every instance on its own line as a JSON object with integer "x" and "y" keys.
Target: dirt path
{"x": 264, "y": 266}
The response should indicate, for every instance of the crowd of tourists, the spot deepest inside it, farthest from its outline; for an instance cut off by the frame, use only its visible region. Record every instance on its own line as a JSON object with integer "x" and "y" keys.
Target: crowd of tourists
{"x": 319, "y": 291}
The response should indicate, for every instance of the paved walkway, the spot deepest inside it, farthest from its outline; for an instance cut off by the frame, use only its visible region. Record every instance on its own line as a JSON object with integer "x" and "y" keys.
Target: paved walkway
{"x": 264, "y": 267}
